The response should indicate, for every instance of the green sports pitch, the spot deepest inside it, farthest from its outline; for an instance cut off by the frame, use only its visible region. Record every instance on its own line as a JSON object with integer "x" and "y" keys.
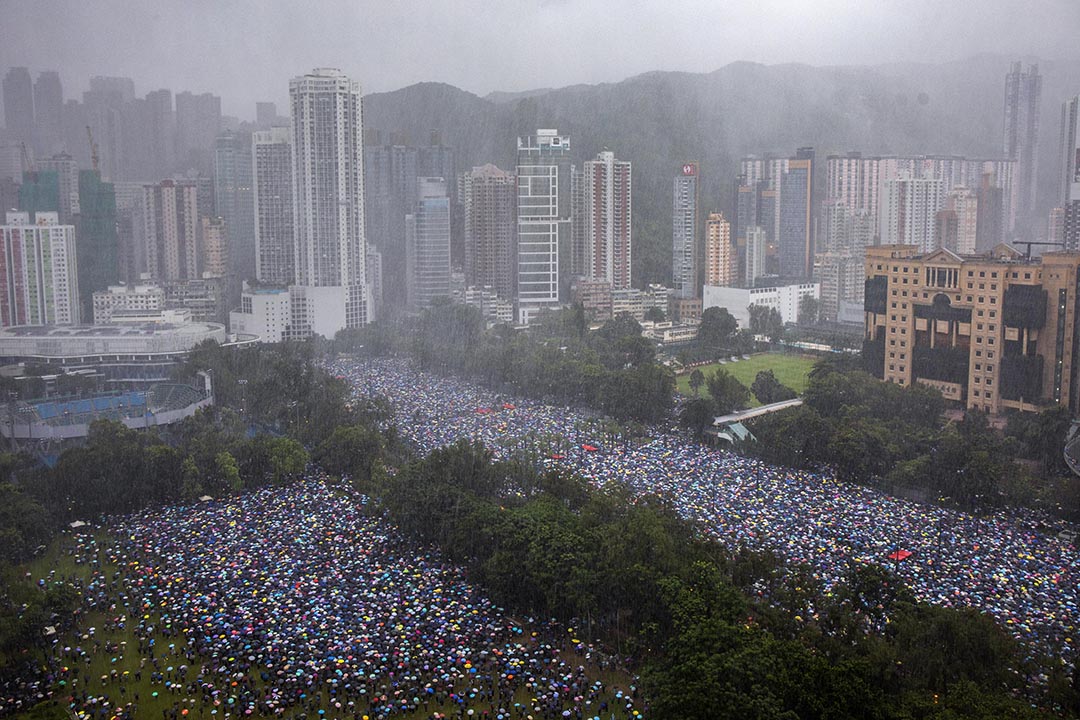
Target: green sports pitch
{"x": 790, "y": 370}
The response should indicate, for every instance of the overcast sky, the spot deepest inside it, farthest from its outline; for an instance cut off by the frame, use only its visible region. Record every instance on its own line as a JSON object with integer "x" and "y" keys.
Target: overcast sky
{"x": 246, "y": 50}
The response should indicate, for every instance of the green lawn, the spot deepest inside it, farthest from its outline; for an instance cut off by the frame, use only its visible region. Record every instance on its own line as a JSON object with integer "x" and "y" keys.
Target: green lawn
{"x": 791, "y": 370}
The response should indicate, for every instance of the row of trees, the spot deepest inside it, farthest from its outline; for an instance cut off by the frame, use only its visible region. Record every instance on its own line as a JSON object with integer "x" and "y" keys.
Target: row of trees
{"x": 883, "y": 433}
{"x": 613, "y": 369}
{"x": 715, "y": 630}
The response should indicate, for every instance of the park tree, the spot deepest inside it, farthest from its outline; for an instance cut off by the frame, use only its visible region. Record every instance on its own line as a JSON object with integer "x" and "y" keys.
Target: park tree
{"x": 716, "y": 328}
{"x": 765, "y": 320}
{"x": 697, "y": 415}
{"x": 697, "y": 379}
{"x": 727, "y": 392}
{"x": 354, "y": 451}
{"x": 767, "y": 389}
{"x": 655, "y": 314}
{"x": 809, "y": 309}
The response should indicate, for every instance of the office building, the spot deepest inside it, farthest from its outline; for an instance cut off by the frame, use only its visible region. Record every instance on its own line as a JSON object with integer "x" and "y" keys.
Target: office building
{"x": 993, "y": 332}
{"x": 198, "y": 123}
{"x": 841, "y": 276}
{"x": 328, "y": 172}
{"x": 40, "y": 192}
{"x": 39, "y": 284}
{"x": 685, "y": 232}
{"x": 264, "y": 312}
{"x": 795, "y": 241}
{"x": 1023, "y": 96}
{"x": 608, "y": 250}
{"x": 1070, "y": 173}
{"x": 495, "y": 309}
{"x": 67, "y": 177}
{"x": 19, "y": 106}
{"x": 272, "y": 206}
{"x": 427, "y": 245}
{"x": 390, "y": 173}
{"x": 1055, "y": 226}
{"x": 214, "y": 251}
{"x": 543, "y": 219}
{"x": 96, "y": 235}
{"x": 963, "y": 202}
{"x": 127, "y": 299}
{"x": 990, "y": 220}
{"x": 909, "y": 207}
{"x": 595, "y": 298}
{"x": 577, "y": 223}
{"x": 233, "y": 202}
{"x": 755, "y": 254}
{"x": 266, "y": 115}
{"x": 721, "y": 261}
{"x": 48, "y": 114}
{"x": 171, "y": 230}
{"x": 490, "y": 230}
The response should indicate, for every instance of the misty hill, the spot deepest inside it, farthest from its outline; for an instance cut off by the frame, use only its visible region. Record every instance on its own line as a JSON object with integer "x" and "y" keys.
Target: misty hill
{"x": 660, "y": 119}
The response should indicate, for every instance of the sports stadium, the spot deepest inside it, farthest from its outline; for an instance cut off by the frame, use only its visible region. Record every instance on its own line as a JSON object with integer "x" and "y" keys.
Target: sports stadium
{"x": 40, "y": 426}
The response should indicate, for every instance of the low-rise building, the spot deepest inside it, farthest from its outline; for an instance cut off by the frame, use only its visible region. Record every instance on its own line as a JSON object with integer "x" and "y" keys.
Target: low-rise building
{"x": 139, "y": 298}
{"x": 264, "y": 312}
{"x": 784, "y": 298}
{"x": 125, "y": 356}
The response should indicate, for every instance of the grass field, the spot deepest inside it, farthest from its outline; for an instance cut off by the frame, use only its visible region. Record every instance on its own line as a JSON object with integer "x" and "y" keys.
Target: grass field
{"x": 791, "y": 370}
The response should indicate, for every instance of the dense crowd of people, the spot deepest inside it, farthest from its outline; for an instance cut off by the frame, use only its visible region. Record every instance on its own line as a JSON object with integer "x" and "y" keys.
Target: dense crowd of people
{"x": 296, "y": 603}
{"x": 1011, "y": 564}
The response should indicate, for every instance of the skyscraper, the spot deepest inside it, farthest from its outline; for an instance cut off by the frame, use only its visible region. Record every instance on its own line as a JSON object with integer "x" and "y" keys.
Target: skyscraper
{"x": 685, "y": 232}
{"x": 38, "y": 281}
{"x": 721, "y": 260}
{"x": 965, "y": 203}
{"x": 909, "y": 207}
{"x": 390, "y": 173}
{"x": 171, "y": 230}
{"x": 198, "y": 123}
{"x": 427, "y": 244}
{"x": 755, "y": 253}
{"x": 67, "y": 175}
{"x": 608, "y": 250}
{"x": 989, "y": 224}
{"x": 40, "y": 191}
{"x": 161, "y": 133}
{"x": 273, "y": 207}
{"x": 99, "y": 264}
{"x": 19, "y": 105}
{"x": 1023, "y": 94}
{"x": 328, "y": 202}
{"x": 490, "y": 232}
{"x": 233, "y": 201}
{"x": 214, "y": 252}
{"x": 795, "y": 242}
{"x": 543, "y": 221}
{"x": 1070, "y": 173}
{"x": 48, "y": 113}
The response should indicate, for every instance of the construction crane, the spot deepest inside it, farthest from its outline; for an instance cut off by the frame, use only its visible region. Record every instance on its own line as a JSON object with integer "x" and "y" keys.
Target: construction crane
{"x": 27, "y": 163}
{"x": 1029, "y": 243}
{"x": 93, "y": 148}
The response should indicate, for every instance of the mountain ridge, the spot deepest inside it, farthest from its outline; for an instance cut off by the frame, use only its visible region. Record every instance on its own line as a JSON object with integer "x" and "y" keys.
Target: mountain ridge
{"x": 660, "y": 119}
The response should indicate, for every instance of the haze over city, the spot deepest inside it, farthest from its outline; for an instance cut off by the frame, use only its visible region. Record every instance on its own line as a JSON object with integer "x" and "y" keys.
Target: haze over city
{"x": 539, "y": 360}
{"x": 241, "y": 49}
